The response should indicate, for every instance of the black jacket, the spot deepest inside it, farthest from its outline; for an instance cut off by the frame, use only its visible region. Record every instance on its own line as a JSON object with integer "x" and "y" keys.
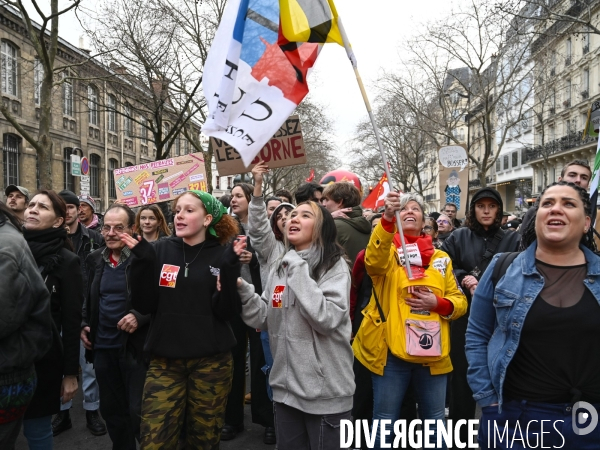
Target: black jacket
{"x": 189, "y": 315}
{"x": 90, "y": 241}
{"x": 65, "y": 285}
{"x": 466, "y": 249}
{"x": 133, "y": 342}
{"x": 25, "y": 319}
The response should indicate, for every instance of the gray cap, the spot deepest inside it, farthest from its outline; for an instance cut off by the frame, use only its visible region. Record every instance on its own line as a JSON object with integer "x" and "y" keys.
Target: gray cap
{"x": 13, "y": 187}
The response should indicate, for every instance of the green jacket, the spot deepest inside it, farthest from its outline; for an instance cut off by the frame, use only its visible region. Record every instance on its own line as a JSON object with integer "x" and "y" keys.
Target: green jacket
{"x": 353, "y": 233}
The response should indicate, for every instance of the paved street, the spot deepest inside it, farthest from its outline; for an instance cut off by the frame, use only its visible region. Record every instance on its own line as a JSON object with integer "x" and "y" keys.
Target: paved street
{"x": 78, "y": 438}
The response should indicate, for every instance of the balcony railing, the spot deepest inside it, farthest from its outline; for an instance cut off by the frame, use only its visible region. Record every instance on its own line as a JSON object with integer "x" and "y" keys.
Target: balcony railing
{"x": 573, "y": 139}
{"x": 476, "y": 183}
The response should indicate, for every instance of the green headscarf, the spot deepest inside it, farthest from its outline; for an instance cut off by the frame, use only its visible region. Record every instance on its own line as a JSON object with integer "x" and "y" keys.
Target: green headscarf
{"x": 213, "y": 206}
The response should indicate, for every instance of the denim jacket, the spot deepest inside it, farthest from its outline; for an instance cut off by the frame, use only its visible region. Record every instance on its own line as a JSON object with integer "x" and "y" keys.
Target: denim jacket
{"x": 497, "y": 318}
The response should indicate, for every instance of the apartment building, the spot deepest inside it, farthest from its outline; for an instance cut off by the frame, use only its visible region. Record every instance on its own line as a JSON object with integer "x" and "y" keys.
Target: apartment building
{"x": 88, "y": 118}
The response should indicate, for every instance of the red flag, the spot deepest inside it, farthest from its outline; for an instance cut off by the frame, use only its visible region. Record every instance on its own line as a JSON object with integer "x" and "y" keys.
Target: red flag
{"x": 377, "y": 196}
{"x": 311, "y": 176}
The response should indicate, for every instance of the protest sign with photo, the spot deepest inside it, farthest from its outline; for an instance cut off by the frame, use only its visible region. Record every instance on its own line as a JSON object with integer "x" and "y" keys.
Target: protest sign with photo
{"x": 160, "y": 181}
{"x": 286, "y": 148}
{"x": 453, "y": 184}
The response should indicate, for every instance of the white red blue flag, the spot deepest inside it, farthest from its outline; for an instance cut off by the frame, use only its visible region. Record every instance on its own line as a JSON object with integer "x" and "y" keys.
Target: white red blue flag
{"x": 253, "y": 77}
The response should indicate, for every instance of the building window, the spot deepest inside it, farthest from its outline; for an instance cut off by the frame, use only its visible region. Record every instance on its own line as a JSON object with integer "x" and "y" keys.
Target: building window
{"x": 498, "y": 165}
{"x": 185, "y": 147}
{"x": 585, "y": 83}
{"x": 94, "y": 175}
{"x": 67, "y": 89}
{"x": 69, "y": 179}
{"x": 551, "y": 133}
{"x": 38, "y": 77}
{"x": 9, "y": 68}
{"x": 177, "y": 146}
{"x": 585, "y": 42}
{"x": 112, "y": 165}
{"x": 515, "y": 159}
{"x": 127, "y": 120}
{"x": 11, "y": 159}
{"x": 505, "y": 162}
{"x": 93, "y": 105}
{"x": 523, "y": 155}
{"x": 112, "y": 113}
{"x": 144, "y": 130}
{"x": 568, "y": 51}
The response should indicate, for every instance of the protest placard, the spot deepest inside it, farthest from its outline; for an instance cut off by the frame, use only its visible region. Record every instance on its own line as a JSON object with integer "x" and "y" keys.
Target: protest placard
{"x": 160, "y": 181}
{"x": 286, "y": 148}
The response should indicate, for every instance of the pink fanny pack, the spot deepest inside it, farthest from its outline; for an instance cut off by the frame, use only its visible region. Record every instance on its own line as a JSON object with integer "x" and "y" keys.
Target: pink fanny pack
{"x": 423, "y": 337}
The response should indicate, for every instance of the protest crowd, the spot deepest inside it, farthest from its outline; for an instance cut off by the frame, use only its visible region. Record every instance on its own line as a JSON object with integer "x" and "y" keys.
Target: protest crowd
{"x": 159, "y": 321}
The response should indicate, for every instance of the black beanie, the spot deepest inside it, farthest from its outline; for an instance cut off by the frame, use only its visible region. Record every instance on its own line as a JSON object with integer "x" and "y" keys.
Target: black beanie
{"x": 69, "y": 197}
{"x": 487, "y": 192}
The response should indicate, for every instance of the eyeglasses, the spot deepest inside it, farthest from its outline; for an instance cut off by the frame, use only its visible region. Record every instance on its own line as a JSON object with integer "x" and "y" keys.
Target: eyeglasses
{"x": 427, "y": 228}
{"x": 442, "y": 222}
{"x": 117, "y": 228}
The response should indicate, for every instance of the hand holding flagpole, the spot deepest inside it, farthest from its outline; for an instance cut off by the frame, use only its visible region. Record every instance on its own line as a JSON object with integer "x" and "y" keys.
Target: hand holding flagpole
{"x": 386, "y": 166}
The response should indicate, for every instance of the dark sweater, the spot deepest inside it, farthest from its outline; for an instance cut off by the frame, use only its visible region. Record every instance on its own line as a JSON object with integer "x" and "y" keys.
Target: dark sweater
{"x": 113, "y": 307}
{"x": 189, "y": 314}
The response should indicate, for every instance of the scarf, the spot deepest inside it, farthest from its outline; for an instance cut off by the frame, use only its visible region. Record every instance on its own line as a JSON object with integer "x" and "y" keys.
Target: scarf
{"x": 45, "y": 245}
{"x": 94, "y": 223}
{"x": 420, "y": 249}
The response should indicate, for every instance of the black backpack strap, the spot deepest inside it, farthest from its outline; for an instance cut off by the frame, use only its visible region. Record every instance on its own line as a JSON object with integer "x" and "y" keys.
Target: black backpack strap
{"x": 502, "y": 265}
{"x": 383, "y": 319}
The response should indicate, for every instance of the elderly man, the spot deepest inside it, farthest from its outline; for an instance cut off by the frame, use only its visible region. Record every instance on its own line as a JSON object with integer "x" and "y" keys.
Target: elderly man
{"x": 114, "y": 333}
{"x": 17, "y": 198}
{"x": 445, "y": 227}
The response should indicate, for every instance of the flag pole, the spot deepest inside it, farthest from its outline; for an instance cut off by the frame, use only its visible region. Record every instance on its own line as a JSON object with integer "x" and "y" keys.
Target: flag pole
{"x": 354, "y": 63}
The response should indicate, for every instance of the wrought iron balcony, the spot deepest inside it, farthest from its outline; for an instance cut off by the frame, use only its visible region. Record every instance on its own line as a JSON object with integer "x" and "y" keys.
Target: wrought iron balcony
{"x": 573, "y": 139}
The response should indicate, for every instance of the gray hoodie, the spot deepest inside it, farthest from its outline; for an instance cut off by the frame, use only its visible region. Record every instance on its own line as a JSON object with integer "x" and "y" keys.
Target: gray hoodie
{"x": 309, "y": 332}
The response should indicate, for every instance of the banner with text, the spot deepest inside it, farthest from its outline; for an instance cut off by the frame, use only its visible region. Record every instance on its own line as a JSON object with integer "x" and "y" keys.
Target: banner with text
{"x": 284, "y": 149}
{"x": 160, "y": 181}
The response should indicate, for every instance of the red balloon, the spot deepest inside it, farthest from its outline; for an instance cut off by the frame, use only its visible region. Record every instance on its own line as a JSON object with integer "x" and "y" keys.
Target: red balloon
{"x": 342, "y": 175}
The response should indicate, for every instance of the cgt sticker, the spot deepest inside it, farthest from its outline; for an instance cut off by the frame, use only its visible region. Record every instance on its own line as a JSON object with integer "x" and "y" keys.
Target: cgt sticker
{"x": 277, "y": 296}
{"x": 168, "y": 275}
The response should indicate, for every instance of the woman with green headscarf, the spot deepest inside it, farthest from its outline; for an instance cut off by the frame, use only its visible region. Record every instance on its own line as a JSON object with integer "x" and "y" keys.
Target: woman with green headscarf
{"x": 188, "y": 284}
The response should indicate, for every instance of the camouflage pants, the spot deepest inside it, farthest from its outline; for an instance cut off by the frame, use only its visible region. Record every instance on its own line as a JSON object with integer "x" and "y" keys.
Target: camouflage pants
{"x": 194, "y": 390}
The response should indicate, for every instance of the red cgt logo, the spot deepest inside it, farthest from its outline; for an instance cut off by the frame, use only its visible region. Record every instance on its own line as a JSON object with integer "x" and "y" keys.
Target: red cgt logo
{"x": 168, "y": 275}
{"x": 277, "y": 296}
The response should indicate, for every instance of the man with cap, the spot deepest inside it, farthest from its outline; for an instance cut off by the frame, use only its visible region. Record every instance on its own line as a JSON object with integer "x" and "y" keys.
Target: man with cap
{"x": 87, "y": 210}
{"x": 471, "y": 249}
{"x": 505, "y": 218}
{"x": 17, "y": 198}
{"x": 84, "y": 242}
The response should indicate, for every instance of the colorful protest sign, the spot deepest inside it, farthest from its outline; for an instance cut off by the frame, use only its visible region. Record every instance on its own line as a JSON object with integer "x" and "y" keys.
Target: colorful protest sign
{"x": 160, "y": 181}
{"x": 286, "y": 148}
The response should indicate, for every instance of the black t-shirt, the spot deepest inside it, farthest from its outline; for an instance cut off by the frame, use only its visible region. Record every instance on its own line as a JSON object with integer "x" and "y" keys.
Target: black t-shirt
{"x": 558, "y": 357}
{"x": 76, "y": 237}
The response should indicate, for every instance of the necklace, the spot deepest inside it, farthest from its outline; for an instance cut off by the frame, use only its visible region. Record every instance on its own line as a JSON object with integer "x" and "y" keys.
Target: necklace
{"x": 185, "y": 273}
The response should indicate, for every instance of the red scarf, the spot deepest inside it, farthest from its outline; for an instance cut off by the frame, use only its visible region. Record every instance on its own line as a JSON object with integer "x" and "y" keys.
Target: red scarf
{"x": 424, "y": 243}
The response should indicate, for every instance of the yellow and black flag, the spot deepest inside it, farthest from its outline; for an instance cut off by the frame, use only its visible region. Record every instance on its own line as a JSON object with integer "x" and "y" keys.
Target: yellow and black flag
{"x": 309, "y": 21}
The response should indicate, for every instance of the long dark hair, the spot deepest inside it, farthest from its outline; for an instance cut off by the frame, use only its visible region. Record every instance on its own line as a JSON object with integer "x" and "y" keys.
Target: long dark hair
{"x": 587, "y": 239}
{"x": 6, "y": 214}
{"x": 324, "y": 251}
